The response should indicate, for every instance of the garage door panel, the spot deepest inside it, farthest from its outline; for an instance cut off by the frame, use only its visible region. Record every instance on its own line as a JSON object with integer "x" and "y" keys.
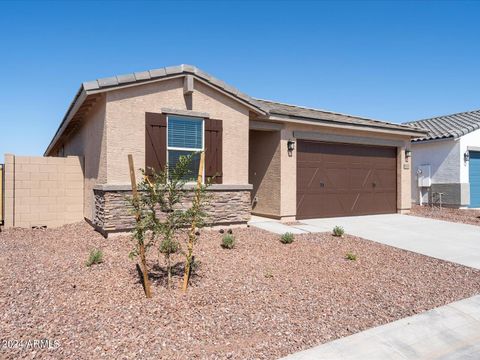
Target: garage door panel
{"x": 383, "y": 180}
{"x": 336, "y": 178}
{"x": 305, "y": 177}
{"x": 383, "y": 200}
{"x": 359, "y": 178}
{"x": 344, "y": 179}
{"x": 363, "y": 205}
{"x": 330, "y": 204}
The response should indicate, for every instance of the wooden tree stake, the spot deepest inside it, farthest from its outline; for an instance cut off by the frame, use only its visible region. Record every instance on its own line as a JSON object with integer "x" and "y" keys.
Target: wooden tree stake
{"x": 191, "y": 234}
{"x": 143, "y": 260}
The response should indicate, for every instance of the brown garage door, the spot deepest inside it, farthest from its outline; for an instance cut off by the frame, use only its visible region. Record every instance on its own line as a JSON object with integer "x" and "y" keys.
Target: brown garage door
{"x": 345, "y": 179}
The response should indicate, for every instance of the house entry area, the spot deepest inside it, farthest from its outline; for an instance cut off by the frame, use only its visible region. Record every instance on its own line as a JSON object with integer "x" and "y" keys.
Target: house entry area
{"x": 335, "y": 179}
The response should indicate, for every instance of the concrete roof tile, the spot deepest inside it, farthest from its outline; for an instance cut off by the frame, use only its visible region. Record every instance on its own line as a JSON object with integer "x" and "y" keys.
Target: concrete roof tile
{"x": 171, "y": 70}
{"x": 448, "y": 126}
{"x": 109, "y": 81}
{"x": 188, "y": 68}
{"x": 157, "y": 72}
{"x": 142, "y": 75}
{"x": 127, "y": 78}
{"x": 91, "y": 85}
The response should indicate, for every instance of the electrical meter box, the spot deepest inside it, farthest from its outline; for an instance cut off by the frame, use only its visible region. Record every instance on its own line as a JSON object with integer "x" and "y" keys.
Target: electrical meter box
{"x": 424, "y": 176}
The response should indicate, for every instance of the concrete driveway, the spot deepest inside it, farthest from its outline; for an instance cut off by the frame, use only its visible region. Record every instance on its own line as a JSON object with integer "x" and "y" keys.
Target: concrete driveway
{"x": 448, "y": 332}
{"x": 450, "y": 241}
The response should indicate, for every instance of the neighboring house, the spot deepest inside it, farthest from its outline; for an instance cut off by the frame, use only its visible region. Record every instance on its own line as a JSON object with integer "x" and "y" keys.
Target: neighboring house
{"x": 451, "y": 153}
{"x": 272, "y": 159}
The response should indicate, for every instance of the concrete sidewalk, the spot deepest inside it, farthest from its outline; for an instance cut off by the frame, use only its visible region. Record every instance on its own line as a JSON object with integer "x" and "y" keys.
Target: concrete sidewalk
{"x": 448, "y": 332}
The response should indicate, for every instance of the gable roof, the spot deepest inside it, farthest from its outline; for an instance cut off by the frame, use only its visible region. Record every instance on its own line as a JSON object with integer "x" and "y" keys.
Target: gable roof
{"x": 276, "y": 108}
{"x": 137, "y": 78}
{"x": 448, "y": 126}
{"x": 85, "y": 98}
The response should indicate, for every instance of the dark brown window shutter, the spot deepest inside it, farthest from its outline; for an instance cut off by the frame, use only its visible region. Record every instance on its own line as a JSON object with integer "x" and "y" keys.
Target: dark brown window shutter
{"x": 213, "y": 149}
{"x": 155, "y": 142}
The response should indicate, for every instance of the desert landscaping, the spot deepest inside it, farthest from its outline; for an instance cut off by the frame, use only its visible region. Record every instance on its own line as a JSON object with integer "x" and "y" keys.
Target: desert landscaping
{"x": 464, "y": 216}
{"x": 260, "y": 300}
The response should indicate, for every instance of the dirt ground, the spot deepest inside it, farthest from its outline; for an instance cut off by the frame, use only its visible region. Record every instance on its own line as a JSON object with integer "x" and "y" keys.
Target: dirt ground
{"x": 260, "y": 300}
{"x": 465, "y": 216}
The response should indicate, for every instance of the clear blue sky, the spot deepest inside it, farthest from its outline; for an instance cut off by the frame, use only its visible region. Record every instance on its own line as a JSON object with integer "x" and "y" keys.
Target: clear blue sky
{"x": 393, "y": 61}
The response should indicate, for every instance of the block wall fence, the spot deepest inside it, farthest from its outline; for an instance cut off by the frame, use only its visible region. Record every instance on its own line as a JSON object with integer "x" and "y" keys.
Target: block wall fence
{"x": 42, "y": 191}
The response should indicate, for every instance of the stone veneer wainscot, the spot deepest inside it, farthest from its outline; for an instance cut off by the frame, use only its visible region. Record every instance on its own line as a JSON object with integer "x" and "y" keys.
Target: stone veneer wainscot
{"x": 228, "y": 204}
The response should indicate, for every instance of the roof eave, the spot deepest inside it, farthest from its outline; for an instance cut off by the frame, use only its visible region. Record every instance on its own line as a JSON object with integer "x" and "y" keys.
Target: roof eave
{"x": 77, "y": 101}
{"x": 141, "y": 78}
{"x": 313, "y": 121}
{"x": 437, "y": 138}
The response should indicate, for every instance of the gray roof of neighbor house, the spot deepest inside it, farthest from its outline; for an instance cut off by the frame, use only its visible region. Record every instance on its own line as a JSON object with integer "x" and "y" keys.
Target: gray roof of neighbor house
{"x": 448, "y": 126}
{"x": 265, "y": 108}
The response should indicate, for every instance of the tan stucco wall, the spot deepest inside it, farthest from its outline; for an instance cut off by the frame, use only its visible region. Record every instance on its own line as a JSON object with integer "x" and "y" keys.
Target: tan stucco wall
{"x": 43, "y": 191}
{"x": 115, "y": 127}
{"x": 125, "y": 123}
{"x": 89, "y": 141}
{"x": 264, "y": 172}
{"x": 289, "y": 165}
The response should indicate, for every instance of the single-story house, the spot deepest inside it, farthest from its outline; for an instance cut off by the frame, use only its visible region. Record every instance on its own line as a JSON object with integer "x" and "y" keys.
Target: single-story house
{"x": 447, "y": 160}
{"x": 272, "y": 159}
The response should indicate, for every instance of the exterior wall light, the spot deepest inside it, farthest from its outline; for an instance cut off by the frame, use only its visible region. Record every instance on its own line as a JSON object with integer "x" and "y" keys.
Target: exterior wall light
{"x": 290, "y": 145}
{"x": 408, "y": 153}
{"x": 466, "y": 156}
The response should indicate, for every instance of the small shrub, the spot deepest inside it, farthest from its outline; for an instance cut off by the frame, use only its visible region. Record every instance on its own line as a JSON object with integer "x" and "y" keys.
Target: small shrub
{"x": 228, "y": 241}
{"x": 95, "y": 257}
{"x": 338, "y": 231}
{"x": 287, "y": 238}
{"x": 351, "y": 256}
{"x": 195, "y": 265}
{"x": 268, "y": 274}
{"x": 169, "y": 246}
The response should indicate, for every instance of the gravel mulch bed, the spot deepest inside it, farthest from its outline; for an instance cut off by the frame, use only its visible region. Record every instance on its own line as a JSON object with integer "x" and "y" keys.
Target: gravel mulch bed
{"x": 465, "y": 216}
{"x": 261, "y": 300}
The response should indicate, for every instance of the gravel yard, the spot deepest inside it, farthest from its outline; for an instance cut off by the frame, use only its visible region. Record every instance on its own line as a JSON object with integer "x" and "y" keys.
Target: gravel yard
{"x": 260, "y": 300}
{"x": 465, "y": 216}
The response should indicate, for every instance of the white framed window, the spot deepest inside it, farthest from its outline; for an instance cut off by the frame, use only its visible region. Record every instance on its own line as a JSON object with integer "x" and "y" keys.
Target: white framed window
{"x": 185, "y": 135}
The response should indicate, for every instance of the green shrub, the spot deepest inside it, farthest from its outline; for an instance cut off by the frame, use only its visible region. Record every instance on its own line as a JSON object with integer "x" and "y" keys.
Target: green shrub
{"x": 228, "y": 241}
{"x": 338, "y": 231}
{"x": 351, "y": 256}
{"x": 95, "y": 257}
{"x": 169, "y": 246}
{"x": 287, "y": 238}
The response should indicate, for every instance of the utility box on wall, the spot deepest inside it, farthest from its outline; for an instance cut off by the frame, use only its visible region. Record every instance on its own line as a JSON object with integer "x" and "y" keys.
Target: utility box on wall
{"x": 424, "y": 176}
